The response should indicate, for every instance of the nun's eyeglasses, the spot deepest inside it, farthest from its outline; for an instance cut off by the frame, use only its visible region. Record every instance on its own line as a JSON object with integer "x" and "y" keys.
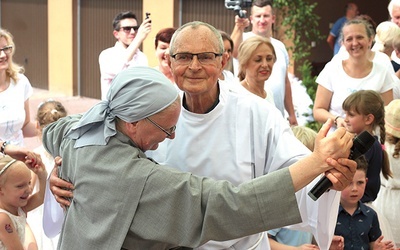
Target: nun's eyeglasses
{"x": 169, "y": 133}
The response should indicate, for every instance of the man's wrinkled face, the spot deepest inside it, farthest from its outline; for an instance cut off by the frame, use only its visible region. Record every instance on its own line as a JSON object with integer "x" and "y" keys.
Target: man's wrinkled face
{"x": 200, "y": 74}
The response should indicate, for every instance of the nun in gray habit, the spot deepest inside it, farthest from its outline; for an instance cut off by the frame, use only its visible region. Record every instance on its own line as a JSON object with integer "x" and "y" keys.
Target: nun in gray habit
{"x": 122, "y": 200}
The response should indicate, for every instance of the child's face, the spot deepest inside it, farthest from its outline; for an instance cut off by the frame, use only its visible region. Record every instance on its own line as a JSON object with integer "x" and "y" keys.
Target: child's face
{"x": 15, "y": 191}
{"x": 356, "y": 123}
{"x": 355, "y": 191}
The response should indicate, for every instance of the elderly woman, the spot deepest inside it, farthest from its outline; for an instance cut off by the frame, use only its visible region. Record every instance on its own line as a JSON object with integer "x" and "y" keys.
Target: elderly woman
{"x": 386, "y": 33}
{"x": 340, "y": 78}
{"x": 123, "y": 200}
{"x": 387, "y": 36}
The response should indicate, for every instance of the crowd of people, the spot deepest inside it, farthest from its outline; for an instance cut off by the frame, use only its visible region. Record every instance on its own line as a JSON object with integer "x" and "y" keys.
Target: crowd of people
{"x": 204, "y": 151}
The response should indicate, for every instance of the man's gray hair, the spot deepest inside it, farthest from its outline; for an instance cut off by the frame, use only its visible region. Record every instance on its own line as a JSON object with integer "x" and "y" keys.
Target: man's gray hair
{"x": 195, "y": 25}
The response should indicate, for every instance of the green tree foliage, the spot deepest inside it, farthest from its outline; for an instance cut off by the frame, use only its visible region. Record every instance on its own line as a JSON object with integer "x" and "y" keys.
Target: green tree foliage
{"x": 301, "y": 27}
{"x": 308, "y": 81}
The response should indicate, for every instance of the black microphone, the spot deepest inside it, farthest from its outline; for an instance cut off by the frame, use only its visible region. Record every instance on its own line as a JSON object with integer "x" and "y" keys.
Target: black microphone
{"x": 361, "y": 144}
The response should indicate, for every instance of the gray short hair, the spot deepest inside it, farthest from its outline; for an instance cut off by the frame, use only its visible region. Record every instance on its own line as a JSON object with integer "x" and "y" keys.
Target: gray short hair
{"x": 195, "y": 25}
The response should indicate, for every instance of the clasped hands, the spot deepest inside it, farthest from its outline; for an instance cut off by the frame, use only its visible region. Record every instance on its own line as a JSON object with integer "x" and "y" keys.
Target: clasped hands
{"x": 334, "y": 150}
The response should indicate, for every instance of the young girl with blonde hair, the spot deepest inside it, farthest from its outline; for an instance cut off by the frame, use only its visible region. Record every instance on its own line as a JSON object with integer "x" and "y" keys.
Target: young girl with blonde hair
{"x": 15, "y": 198}
{"x": 48, "y": 111}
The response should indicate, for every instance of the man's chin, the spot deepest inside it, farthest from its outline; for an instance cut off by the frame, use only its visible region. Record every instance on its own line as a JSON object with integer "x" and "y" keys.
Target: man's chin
{"x": 263, "y": 31}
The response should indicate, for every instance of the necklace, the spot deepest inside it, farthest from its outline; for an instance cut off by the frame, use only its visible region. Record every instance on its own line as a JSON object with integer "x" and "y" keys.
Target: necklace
{"x": 261, "y": 93}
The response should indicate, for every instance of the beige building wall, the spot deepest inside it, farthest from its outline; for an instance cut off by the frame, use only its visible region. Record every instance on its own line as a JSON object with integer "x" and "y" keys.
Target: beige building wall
{"x": 60, "y": 30}
{"x": 162, "y": 15}
{"x": 61, "y": 35}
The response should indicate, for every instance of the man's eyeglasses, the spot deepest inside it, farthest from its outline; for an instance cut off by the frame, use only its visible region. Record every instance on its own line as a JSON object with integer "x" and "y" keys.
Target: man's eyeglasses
{"x": 204, "y": 58}
{"x": 169, "y": 133}
{"x": 7, "y": 49}
{"x": 127, "y": 29}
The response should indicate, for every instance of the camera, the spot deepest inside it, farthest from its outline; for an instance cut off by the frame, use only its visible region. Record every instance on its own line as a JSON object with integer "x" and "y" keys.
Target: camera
{"x": 148, "y": 16}
{"x": 237, "y": 6}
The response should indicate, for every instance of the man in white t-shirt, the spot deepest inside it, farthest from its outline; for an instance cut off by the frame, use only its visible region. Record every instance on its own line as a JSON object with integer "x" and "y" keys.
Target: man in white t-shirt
{"x": 262, "y": 17}
{"x": 126, "y": 52}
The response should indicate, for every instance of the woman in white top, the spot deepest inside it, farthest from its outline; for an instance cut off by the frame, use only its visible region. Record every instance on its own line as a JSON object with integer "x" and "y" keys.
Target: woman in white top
{"x": 340, "y": 78}
{"x": 256, "y": 60}
{"x": 15, "y": 90}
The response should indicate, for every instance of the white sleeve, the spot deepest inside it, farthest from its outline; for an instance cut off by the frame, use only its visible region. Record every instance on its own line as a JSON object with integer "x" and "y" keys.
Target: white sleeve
{"x": 28, "y": 90}
{"x": 53, "y": 215}
{"x": 324, "y": 77}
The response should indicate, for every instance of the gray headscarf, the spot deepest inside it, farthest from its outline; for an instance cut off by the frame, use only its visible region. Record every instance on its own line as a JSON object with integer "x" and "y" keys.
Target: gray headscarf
{"x": 135, "y": 94}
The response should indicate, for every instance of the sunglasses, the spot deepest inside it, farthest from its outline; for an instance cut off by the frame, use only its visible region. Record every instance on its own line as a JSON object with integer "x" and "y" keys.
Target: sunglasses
{"x": 127, "y": 29}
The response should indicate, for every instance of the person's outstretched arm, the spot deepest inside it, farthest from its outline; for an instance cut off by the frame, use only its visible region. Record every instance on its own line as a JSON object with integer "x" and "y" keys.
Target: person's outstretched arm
{"x": 237, "y": 34}
{"x": 331, "y": 41}
{"x": 330, "y": 156}
{"x": 35, "y": 164}
{"x": 142, "y": 33}
{"x": 16, "y": 152}
{"x": 289, "y": 102}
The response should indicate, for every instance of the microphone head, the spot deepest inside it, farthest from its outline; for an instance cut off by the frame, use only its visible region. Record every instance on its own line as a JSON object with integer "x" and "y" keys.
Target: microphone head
{"x": 361, "y": 144}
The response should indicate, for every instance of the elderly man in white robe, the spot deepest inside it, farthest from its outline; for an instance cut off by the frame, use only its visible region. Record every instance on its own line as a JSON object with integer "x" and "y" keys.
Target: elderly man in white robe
{"x": 229, "y": 136}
